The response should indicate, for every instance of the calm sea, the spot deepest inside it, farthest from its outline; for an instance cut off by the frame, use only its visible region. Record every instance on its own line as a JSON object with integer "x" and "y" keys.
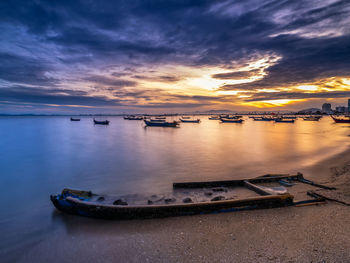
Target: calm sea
{"x": 41, "y": 155}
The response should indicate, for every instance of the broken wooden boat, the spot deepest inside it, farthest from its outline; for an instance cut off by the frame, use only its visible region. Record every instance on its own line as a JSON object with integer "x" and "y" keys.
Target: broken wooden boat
{"x": 189, "y": 198}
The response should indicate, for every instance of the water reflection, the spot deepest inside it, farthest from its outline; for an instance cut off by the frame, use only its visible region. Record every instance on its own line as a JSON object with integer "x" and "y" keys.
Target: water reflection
{"x": 42, "y": 155}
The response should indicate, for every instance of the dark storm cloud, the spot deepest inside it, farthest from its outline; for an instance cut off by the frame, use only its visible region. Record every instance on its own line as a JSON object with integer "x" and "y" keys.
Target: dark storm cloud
{"x": 110, "y": 81}
{"x": 23, "y": 95}
{"x": 173, "y": 99}
{"x": 311, "y": 38}
{"x": 53, "y": 96}
{"x": 27, "y": 70}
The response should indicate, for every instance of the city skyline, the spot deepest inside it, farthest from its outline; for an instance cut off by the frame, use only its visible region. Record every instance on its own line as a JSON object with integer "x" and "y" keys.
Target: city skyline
{"x": 173, "y": 56}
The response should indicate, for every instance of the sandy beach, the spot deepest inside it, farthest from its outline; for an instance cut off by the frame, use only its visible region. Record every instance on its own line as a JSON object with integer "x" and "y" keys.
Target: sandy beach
{"x": 318, "y": 233}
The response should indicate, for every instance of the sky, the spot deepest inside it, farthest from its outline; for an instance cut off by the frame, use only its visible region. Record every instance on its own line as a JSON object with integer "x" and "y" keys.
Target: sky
{"x": 173, "y": 56}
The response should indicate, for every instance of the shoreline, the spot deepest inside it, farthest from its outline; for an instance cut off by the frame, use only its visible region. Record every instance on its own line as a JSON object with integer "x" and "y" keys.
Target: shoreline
{"x": 323, "y": 171}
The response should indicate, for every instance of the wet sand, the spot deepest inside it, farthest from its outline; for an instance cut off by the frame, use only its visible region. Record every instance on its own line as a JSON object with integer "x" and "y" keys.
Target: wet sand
{"x": 294, "y": 234}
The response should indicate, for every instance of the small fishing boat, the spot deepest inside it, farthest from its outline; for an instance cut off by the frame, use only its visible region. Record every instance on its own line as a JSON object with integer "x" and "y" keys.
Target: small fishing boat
{"x": 133, "y": 118}
{"x": 268, "y": 118}
{"x": 189, "y": 198}
{"x": 289, "y": 117}
{"x": 346, "y": 119}
{"x": 226, "y": 116}
{"x": 106, "y": 122}
{"x": 284, "y": 120}
{"x": 231, "y": 120}
{"x": 259, "y": 119}
{"x": 160, "y": 117}
{"x": 161, "y": 123}
{"x": 190, "y": 120}
{"x": 263, "y": 118}
{"x": 214, "y": 118}
{"x": 73, "y": 119}
{"x": 311, "y": 118}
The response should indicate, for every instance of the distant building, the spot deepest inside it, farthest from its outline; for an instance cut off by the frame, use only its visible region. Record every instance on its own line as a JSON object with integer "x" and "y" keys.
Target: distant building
{"x": 327, "y": 108}
{"x": 341, "y": 109}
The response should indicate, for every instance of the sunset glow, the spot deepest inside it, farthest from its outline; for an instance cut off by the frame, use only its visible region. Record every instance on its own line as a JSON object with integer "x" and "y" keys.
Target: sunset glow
{"x": 135, "y": 63}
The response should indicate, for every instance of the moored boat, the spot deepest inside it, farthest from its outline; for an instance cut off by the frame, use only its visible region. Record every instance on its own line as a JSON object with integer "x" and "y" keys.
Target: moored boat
{"x": 106, "y": 122}
{"x": 284, "y": 120}
{"x": 214, "y": 118}
{"x": 189, "y": 198}
{"x": 312, "y": 118}
{"x": 268, "y": 118}
{"x": 289, "y": 117}
{"x": 231, "y": 120}
{"x": 259, "y": 119}
{"x": 133, "y": 118}
{"x": 263, "y": 118}
{"x": 190, "y": 120}
{"x": 161, "y": 123}
{"x": 226, "y": 116}
{"x": 73, "y": 119}
{"x": 341, "y": 120}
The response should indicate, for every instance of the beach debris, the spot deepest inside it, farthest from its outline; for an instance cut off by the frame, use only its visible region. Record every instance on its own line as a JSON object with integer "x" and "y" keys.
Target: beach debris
{"x": 285, "y": 183}
{"x": 218, "y": 198}
{"x": 120, "y": 202}
{"x": 187, "y": 200}
{"x": 310, "y": 202}
{"x": 305, "y": 181}
{"x": 331, "y": 196}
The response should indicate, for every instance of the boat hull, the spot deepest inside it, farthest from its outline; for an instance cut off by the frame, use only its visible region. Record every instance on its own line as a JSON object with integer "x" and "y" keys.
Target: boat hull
{"x": 285, "y": 121}
{"x": 101, "y": 122}
{"x": 231, "y": 120}
{"x": 190, "y": 121}
{"x": 85, "y": 203}
{"x": 340, "y": 120}
{"x": 90, "y": 209}
{"x": 161, "y": 123}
